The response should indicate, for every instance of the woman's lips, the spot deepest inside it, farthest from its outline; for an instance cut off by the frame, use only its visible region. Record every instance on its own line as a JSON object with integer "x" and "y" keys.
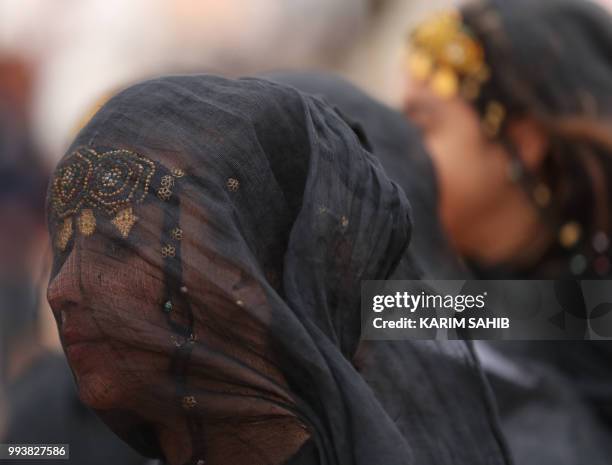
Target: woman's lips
{"x": 82, "y": 349}
{"x": 82, "y": 340}
{"x": 75, "y": 330}
{"x": 85, "y": 358}
{"x": 72, "y": 336}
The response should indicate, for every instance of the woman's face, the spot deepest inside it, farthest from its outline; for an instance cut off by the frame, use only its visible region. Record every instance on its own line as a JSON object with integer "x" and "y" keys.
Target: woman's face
{"x": 106, "y": 297}
{"x": 471, "y": 169}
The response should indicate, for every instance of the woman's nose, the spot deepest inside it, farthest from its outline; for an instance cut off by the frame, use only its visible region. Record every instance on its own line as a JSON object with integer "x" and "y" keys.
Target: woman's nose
{"x": 65, "y": 289}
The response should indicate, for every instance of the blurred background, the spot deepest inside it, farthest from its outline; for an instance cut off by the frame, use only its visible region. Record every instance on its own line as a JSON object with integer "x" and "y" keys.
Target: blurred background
{"x": 59, "y": 61}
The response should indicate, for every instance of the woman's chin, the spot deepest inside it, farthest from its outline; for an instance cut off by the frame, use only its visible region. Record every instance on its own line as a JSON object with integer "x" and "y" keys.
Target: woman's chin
{"x": 100, "y": 391}
{"x": 97, "y": 376}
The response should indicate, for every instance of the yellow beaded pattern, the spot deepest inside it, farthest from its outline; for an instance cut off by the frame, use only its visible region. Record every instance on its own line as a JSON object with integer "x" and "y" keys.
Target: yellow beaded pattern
{"x": 64, "y": 234}
{"x": 110, "y": 182}
{"x": 167, "y": 183}
{"x": 87, "y": 222}
{"x": 124, "y": 221}
{"x": 446, "y": 55}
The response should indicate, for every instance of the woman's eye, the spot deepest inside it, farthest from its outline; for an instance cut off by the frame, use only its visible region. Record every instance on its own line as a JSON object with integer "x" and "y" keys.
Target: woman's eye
{"x": 116, "y": 248}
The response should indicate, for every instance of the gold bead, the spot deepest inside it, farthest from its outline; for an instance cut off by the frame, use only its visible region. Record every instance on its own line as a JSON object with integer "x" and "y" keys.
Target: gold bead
{"x": 445, "y": 83}
{"x": 164, "y": 193}
{"x": 168, "y": 251}
{"x": 495, "y": 112}
{"x": 167, "y": 181}
{"x": 233, "y": 184}
{"x": 493, "y": 119}
{"x": 177, "y": 234}
{"x": 569, "y": 235}
{"x": 189, "y": 402}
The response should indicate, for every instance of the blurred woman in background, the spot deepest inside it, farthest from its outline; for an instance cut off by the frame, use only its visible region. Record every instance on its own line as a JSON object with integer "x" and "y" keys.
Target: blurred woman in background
{"x": 514, "y": 100}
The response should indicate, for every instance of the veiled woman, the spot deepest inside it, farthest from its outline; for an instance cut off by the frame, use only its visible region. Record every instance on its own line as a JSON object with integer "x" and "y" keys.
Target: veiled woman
{"x": 210, "y": 237}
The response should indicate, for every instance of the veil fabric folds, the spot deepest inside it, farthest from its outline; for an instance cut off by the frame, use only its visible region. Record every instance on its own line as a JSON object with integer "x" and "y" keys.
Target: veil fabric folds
{"x": 282, "y": 212}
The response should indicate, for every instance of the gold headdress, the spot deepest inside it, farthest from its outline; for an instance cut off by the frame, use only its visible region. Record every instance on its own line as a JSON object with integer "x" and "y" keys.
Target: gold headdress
{"x": 446, "y": 55}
